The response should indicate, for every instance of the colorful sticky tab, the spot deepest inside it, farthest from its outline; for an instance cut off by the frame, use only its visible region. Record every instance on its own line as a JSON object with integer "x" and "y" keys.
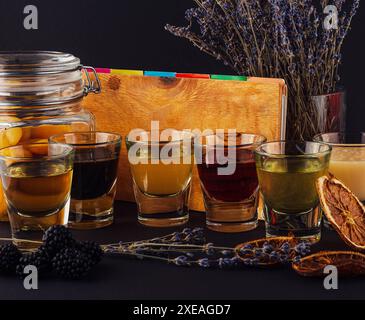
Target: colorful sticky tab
{"x": 127, "y": 72}
{"x": 102, "y": 70}
{"x": 227, "y": 77}
{"x": 193, "y": 75}
{"x": 160, "y": 74}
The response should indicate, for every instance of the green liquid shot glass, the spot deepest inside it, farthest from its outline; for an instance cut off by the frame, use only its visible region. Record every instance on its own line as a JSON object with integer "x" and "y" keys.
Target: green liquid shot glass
{"x": 287, "y": 173}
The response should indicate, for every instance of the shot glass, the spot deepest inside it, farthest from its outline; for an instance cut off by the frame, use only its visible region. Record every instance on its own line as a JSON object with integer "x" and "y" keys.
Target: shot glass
{"x": 287, "y": 174}
{"x": 161, "y": 166}
{"x": 94, "y": 179}
{"x": 227, "y": 171}
{"x": 36, "y": 180}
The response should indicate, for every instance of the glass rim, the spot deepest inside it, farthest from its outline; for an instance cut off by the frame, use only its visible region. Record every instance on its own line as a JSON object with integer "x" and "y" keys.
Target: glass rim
{"x": 278, "y": 155}
{"x": 118, "y": 138}
{"x": 340, "y": 144}
{"x": 263, "y": 140}
{"x": 142, "y": 142}
{"x": 68, "y": 151}
{"x": 338, "y": 91}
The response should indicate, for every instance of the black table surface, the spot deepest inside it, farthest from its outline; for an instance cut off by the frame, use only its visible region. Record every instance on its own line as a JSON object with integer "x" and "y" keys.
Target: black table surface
{"x": 127, "y": 278}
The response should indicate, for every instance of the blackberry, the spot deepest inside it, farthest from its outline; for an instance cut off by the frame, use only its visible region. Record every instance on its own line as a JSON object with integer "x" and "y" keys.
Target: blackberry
{"x": 9, "y": 257}
{"x": 92, "y": 250}
{"x": 71, "y": 263}
{"x": 40, "y": 259}
{"x": 57, "y": 238}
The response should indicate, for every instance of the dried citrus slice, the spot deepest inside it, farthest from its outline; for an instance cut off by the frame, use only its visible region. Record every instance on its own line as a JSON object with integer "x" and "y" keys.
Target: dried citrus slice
{"x": 348, "y": 263}
{"x": 243, "y": 250}
{"x": 343, "y": 210}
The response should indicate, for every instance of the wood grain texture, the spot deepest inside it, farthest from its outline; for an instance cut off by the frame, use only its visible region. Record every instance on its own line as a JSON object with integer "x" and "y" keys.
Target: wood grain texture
{"x": 129, "y": 102}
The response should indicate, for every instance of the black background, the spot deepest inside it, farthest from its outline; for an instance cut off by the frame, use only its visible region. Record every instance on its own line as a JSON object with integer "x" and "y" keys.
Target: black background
{"x": 129, "y": 34}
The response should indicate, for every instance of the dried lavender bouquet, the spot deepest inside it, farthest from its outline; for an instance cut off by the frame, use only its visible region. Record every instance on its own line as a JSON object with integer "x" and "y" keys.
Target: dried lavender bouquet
{"x": 279, "y": 39}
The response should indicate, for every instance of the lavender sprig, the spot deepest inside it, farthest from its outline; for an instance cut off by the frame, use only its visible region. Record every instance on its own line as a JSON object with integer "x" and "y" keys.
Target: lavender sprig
{"x": 181, "y": 249}
{"x": 186, "y": 236}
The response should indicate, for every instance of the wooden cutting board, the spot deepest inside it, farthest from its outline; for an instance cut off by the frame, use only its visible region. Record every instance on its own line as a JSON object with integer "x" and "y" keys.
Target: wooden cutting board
{"x": 132, "y": 100}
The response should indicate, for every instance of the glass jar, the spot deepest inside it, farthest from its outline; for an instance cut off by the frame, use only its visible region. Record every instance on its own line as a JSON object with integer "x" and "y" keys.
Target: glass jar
{"x": 40, "y": 95}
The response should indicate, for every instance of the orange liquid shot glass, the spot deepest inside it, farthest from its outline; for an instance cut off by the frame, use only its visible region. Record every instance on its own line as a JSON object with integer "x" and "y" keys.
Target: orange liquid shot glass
{"x": 161, "y": 179}
{"x": 161, "y": 183}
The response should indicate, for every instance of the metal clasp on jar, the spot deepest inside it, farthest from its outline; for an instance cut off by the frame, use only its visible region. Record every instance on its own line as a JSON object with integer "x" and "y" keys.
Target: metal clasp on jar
{"x": 93, "y": 83}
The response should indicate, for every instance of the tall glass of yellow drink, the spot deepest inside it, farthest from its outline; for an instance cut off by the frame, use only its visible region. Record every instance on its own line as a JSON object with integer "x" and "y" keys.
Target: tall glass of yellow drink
{"x": 348, "y": 159}
{"x": 161, "y": 166}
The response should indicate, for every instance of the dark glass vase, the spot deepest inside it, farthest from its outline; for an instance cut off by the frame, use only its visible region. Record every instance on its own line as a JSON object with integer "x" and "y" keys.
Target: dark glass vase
{"x": 330, "y": 112}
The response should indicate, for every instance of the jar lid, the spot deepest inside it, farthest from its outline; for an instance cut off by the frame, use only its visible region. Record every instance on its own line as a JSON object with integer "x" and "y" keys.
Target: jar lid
{"x": 29, "y": 78}
{"x": 36, "y": 62}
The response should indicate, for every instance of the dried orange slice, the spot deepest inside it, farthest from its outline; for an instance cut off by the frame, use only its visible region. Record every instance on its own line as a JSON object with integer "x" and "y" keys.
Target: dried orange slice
{"x": 343, "y": 210}
{"x": 243, "y": 252}
{"x": 348, "y": 263}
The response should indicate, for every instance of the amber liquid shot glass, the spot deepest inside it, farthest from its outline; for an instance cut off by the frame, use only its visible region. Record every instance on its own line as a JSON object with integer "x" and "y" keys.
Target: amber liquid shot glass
{"x": 36, "y": 179}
